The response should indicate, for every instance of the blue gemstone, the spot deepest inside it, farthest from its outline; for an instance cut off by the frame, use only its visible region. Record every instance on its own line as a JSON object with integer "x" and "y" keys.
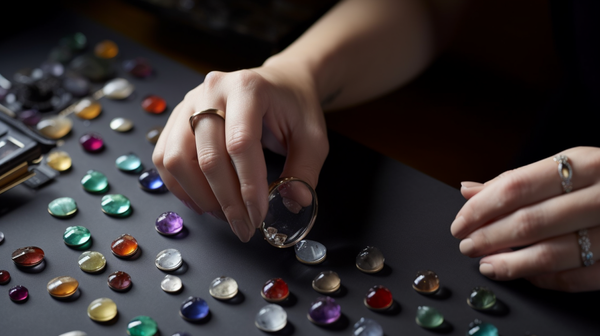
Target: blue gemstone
{"x": 151, "y": 181}
{"x": 194, "y": 309}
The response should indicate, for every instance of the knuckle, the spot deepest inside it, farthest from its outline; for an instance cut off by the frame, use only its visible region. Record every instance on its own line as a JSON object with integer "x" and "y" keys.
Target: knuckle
{"x": 212, "y": 79}
{"x": 247, "y": 78}
{"x": 171, "y": 161}
{"x": 208, "y": 160}
{"x": 503, "y": 270}
{"x": 527, "y": 223}
{"x": 238, "y": 141}
{"x": 513, "y": 187}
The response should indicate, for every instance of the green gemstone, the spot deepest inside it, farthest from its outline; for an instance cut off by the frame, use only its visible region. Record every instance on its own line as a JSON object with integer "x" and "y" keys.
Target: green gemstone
{"x": 428, "y": 317}
{"x": 116, "y": 205}
{"x": 62, "y": 207}
{"x": 142, "y": 326}
{"x": 129, "y": 163}
{"x": 478, "y": 328}
{"x": 76, "y": 42}
{"x": 481, "y": 298}
{"x": 94, "y": 182}
{"x": 76, "y": 235}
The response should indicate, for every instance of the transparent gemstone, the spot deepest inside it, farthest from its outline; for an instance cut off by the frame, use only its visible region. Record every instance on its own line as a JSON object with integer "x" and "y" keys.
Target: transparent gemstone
{"x": 91, "y": 142}
{"x": 310, "y": 252}
{"x": 481, "y": 298}
{"x": 142, "y": 326}
{"x": 119, "y": 281}
{"x": 169, "y": 223}
{"x": 18, "y": 293}
{"x": 426, "y": 282}
{"x": 324, "y": 311}
{"x": 74, "y": 333}
{"x": 271, "y": 318}
{"x": 370, "y": 260}
{"x": 129, "y": 163}
{"x": 118, "y": 88}
{"x": 59, "y": 161}
{"x": 367, "y": 327}
{"x": 275, "y": 290}
{"x": 124, "y": 246}
{"x": 4, "y": 277}
{"x": 479, "y": 328}
{"x": 171, "y": 284}
{"x": 91, "y": 261}
{"x": 168, "y": 260}
{"x": 76, "y": 235}
{"x": 62, "y": 286}
{"x": 116, "y": 205}
{"x": 150, "y": 181}
{"x": 55, "y": 127}
{"x": 87, "y": 108}
{"x": 121, "y": 124}
{"x": 223, "y": 288}
{"x": 28, "y": 256}
{"x": 62, "y": 207}
{"x": 1, "y": 237}
{"x": 94, "y": 182}
{"x": 106, "y": 49}
{"x": 194, "y": 309}
{"x": 30, "y": 117}
{"x": 153, "y": 134}
{"x": 326, "y": 282}
{"x": 428, "y": 317}
{"x": 139, "y": 67}
{"x": 379, "y": 297}
{"x": 102, "y": 310}
{"x": 154, "y": 104}
{"x": 92, "y": 67}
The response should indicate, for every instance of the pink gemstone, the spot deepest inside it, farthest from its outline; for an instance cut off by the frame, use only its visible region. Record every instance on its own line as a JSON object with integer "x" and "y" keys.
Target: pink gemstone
{"x": 18, "y": 293}
{"x": 91, "y": 142}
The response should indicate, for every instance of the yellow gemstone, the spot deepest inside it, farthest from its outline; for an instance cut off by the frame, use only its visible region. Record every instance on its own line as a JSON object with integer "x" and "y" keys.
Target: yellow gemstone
{"x": 106, "y": 49}
{"x": 62, "y": 286}
{"x": 102, "y": 310}
{"x": 59, "y": 161}
{"x": 55, "y": 127}
{"x": 91, "y": 261}
{"x": 87, "y": 109}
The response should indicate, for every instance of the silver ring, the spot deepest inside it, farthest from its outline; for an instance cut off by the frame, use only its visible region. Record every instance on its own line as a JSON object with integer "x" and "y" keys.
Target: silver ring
{"x": 587, "y": 256}
{"x": 194, "y": 116}
{"x": 565, "y": 172}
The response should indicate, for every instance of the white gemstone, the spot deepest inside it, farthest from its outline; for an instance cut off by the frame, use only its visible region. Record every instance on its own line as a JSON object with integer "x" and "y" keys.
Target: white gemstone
{"x": 310, "y": 251}
{"x": 271, "y": 318}
{"x": 74, "y": 333}
{"x": 168, "y": 260}
{"x": 118, "y": 88}
{"x": 223, "y": 288}
{"x": 171, "y": 284}
{"x": 121, "y": 124}
{"x": 367, "y": 327}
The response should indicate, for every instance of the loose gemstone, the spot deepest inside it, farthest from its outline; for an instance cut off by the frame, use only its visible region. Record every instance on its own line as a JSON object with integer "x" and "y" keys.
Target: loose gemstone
{"x": 326, "y": 282}
{"x": 171, "y": 284}
{"x": 181, "y": 333}
{"x": 194, "y": 309}
{"x": 310, "y": 252}
{"x": 324, "y": 311}
{"x": 30, "y": 117}
{"x": 118, "y": 88}
{"x": 119, "y": 281}
{"x": 76, "y": 235}
{"x": 91, "y": 142}
{"x": 62, "y": 286}
{"x": 18, "y": 293}
{"x": 168, "y": 260}
{"x": 62, "y": 207}
{"x": 91, "y": 261}
{"x": 128, "y": 163}
{"x": 481, "y": 298}
{"x": 76, "y": 85}
{"x": 55, "y": 127}
{"x": 169, "y": 223}
{"x": 74, "y": 333}
{"x": 87, "y": 108}
{"x": 223, "y": 288}
{"x": 150, "y": 181}
{"x": 426, "y": 282}
{"x": 4, "y": 277}
{"x": 142, "y": 326}
{"x": 124, "y": 246}
{"x": 1, "y": 237}
{"x": 106, "y": 49}
{"x": 53, "y": 69}
{"x": 28, "y": 256}
{"x": 92, "y": 67}
{"x": 138, "y": 67}
{"x": 367, "y": 327}
{"x": 121, "y": 125}
{"x": 115, "y": 205}
{"x": 271, "y": 318}
{"x": 370, "y": 260}
{"x": 379, "y": 297}
{"x": 275, "y": 290}
{"x": 479, "y": 328}
{"x": 428, "y": 317}
{"x": 59, "y": 161}
{"x": 76, "y": 42}
{"x": 102, "y": 310}
{"x": 94, "y": 182}
{"x": 154, "y": 104}
{"x": 153, "y": 134}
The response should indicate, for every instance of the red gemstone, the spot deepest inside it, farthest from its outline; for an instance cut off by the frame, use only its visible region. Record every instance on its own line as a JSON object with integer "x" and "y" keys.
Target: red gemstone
{"x": 28, "y": 256}
{"x": 379, "y": 297}
{"x": 138, "y": 67}
{"x": 119, "y": 281}
{"x": 4, "y": 277}
{"x": 91, "y": 142}
{"x": 275, "y": 290}
{"x": 154, "y": 104}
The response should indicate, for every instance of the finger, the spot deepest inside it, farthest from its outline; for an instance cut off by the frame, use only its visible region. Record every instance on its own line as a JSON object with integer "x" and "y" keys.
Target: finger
{"x": 553, "y": 217}
{"x": 582, "y": 279}
{"x": 549, "y": 256}
{"x": 469, "y": 189}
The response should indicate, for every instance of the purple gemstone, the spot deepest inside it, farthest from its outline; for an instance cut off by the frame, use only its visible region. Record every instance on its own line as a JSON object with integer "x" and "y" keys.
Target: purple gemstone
{"x": 150, "y": 181}
{"x": 30, "y": 117}
{"x": 3, "y": 92}
{"x": 91, "y": 142}
{"x": 138, "y": 67}
{"x": 169, "y": 223}
{"x": 324, "y": 310}
{"x": 18, "y": 293}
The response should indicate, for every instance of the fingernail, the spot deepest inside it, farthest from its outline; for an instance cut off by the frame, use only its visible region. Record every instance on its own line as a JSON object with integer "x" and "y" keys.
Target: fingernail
{"x": 457, "y": 227}
{"x": 469, "y": 184}
{"x": 487, "y": 270}
{"x": 255, "y": 216}
{"x": 292, "y": 205}
{"x": 242, "y": 230}
{"x": 466, "y": 246}
{"x": 218, "y": 214}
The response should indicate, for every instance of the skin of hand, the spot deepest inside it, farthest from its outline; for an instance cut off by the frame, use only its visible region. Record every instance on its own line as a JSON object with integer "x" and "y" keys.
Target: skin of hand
{"x": 526, "y": 208}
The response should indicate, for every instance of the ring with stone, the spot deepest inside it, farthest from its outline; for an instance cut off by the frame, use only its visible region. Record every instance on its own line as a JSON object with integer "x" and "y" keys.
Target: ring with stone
{"x": 587, "y": 256}
{"x": 565, "y": 172}
{"x": 194, "y": 116}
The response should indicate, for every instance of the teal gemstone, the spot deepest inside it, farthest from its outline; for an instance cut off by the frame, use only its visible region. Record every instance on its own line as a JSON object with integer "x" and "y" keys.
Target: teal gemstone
{"x": 428, "y": 317}
{"x": 116, "y": 205}
{"x": 62, "y": 207}
{"x": 142, "y": 326}
{"x": 130, "y": 163}
{"x": 94, "y": 182}
{"x": 481, "y": 298}
{"x": 76, "y": 235}
{"x": 478, "y": 328}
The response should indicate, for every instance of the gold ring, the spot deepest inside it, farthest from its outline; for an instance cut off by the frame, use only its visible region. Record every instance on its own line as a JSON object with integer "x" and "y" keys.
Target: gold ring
{"x": 207, "y": 111}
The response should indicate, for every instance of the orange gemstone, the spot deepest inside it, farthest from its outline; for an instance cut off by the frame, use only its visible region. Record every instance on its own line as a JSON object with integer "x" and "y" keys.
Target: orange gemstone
{"x": 106, "y": 49}
{"x": 124, "y": 246}
{"x": 154, "y": 104}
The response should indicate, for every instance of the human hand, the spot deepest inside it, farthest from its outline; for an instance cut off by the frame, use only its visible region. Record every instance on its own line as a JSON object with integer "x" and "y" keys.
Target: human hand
{"x": 528, "y": 208}
{"x": 221, "y": 170}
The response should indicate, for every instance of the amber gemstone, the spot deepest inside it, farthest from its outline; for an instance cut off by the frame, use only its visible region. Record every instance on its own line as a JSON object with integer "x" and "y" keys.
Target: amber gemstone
{"x": 55, "y": 127}
{"x": 124, "y": 246}
{"x": 119, "y": 281}
{"x": 62, "y": 286}
{"x": 275, "y": 290}
{"x": 106, "y": 49}
{"x": 426, "y": 282}
{"x": 28, "y": 256}
{"x": 88, "y": 108}
{"x": 59, "y": 161}
{"x": 154, "y": 104}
